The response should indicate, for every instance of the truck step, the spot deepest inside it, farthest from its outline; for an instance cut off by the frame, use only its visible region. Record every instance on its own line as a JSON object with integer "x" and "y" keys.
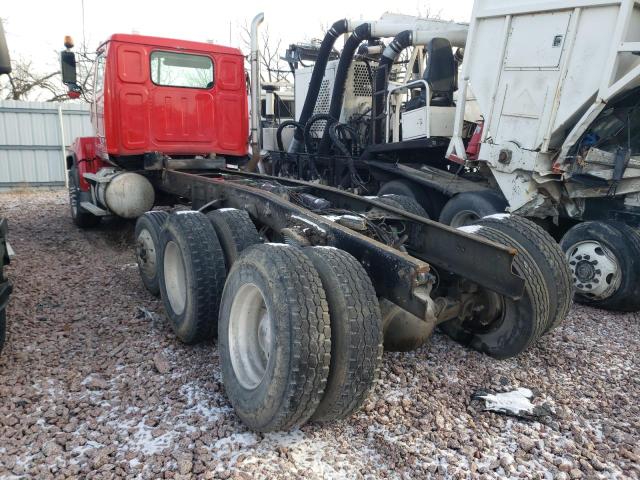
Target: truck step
{"x": 94, "y": 209}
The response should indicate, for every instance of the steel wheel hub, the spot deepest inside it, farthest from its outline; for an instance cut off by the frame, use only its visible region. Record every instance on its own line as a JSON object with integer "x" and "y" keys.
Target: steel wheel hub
{"x": 146, "y": 254}
{"x": 595, "y": 269}
{"x": 251, "y": 341}
{"x": 73, "y": 198}
{"x": 175, "y": 277}
{"x": 464, "y": 218}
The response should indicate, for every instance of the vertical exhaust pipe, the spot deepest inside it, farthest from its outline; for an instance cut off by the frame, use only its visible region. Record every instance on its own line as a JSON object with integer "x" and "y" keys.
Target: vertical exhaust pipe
{"x": 401, "y": 41}
{"x": 255, "y": 93}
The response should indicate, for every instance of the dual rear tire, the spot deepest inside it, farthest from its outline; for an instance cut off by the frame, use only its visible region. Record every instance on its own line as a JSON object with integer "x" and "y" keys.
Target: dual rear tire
{"x": 299, "y": 330}
{"x": 300, "y": 336}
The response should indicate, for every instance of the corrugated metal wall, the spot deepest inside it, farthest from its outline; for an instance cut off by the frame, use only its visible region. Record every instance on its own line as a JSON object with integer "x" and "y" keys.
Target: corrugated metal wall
{"x": 30, "y": 144}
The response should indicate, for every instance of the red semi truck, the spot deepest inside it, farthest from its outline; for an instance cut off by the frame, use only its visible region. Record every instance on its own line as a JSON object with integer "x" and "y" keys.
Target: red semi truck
{"x": 302, "y": 284}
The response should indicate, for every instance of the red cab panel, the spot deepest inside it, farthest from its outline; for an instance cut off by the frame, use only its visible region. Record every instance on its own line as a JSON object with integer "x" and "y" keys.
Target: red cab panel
{"x": 171, "y": 96}
{"x": 86, "y": 160}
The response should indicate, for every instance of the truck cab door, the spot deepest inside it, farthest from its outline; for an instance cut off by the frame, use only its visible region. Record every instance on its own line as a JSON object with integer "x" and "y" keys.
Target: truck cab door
{"x": 97, "y": 106}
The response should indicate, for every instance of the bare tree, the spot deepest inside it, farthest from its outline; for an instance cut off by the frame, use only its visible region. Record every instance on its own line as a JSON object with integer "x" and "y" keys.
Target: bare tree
{"x": 272, "y": 68}
{"x": 85, "y": 70}
{"x": 27, "y": 82}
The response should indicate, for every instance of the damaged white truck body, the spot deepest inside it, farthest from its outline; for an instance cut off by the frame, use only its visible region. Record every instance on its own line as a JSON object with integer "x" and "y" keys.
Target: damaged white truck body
{"x": 541, "y": 78}
{"x": 534, "y": 114}
{"x": 557, "y": 86}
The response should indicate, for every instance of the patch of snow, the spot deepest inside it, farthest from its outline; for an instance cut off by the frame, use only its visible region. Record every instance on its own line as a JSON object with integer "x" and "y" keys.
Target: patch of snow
{"x": 309, "y": 222}
{"x": 470, "y": 228}
{"x": 226, "y": 209}
{"x": 499, "y": 216}
{"x": 142, "y": 440}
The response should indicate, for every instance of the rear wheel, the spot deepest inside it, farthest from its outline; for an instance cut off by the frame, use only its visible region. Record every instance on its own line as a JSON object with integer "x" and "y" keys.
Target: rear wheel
{"x": 356, "y": 332}
{"x": 192, "y": 274}
{"x": 431, "y": 200}
{"x": 79, "y": 215}
{"x": 497, "y": 325}
{"x": 274, "y": 337}
{"x": 405, "y": 203}
{"x": 148, "y": 234}
{"x": 409, "y": 205}
{"x": 235, "y": 231}
{"x": 549, "y": 258}
{"x": 469, "y": 207}
{"x": 604, "y": 259}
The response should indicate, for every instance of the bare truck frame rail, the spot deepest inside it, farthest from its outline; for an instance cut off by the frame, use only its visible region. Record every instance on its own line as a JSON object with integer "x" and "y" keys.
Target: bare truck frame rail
{"x": 395, "y": 274}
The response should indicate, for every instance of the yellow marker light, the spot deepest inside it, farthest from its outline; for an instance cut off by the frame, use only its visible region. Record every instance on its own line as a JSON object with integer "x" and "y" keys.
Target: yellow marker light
{"x": 68, "y": 41}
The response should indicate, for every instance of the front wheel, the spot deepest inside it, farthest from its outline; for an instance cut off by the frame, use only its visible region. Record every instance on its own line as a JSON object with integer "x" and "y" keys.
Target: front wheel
{"x": 79, "y": 215}
{"x": 604, "y": 259}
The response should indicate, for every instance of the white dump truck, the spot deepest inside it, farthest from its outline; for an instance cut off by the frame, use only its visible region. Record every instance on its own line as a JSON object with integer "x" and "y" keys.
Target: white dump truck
{"x": 530, "y": 109}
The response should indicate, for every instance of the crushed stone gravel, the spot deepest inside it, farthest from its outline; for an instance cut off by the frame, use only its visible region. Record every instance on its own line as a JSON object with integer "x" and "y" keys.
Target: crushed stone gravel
{"x": 93, "y": 384}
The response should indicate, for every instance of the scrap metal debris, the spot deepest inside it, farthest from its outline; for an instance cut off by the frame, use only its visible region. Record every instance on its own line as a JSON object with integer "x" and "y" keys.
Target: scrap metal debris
{"x": 516, "y": 403}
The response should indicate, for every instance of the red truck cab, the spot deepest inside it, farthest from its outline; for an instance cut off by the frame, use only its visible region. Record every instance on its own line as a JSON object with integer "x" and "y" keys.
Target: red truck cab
{"x": 153, "y": 98}
{"x": 176, "y": 97}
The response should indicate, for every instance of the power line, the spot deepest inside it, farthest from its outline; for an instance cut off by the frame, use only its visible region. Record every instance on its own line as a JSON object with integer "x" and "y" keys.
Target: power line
{"x": 83, "y": 35}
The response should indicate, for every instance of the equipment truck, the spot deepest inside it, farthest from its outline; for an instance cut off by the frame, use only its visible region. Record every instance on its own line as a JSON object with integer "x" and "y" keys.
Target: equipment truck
{"x": 303, "y": 284}
{"x": 530, "y": 109}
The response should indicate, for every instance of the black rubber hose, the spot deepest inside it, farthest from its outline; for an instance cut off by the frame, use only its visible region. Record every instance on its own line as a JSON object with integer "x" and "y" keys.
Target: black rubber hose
{"x": 334, "y": 133}
{"x": 335, "y": 138}
{"x": 283, "y": 125}
{"x": 307, "y": 128}
{"x": 400, "y": 42}
{"x": 337, "y": 29}
{"x": 360, "y": 34}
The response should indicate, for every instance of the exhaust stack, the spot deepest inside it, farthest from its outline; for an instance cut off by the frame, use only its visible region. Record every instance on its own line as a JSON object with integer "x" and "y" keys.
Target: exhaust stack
{"x": 255, "y": 93}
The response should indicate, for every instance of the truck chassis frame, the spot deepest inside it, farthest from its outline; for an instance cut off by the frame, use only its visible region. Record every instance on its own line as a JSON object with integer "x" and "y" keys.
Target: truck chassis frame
{"x": 401, "y": 278}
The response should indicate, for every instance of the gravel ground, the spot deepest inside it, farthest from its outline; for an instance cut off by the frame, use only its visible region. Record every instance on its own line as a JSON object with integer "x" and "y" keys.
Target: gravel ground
{"x": 93, "y": 384}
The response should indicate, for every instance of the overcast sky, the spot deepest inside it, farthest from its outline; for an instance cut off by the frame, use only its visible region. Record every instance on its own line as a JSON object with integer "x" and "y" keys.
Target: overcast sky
{"x": 36, "y": 28}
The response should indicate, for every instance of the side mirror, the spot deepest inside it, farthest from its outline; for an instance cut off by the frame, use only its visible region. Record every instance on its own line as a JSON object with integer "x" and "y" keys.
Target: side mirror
{"x": 68, "y": 67}
{"x": 5, "y": 61}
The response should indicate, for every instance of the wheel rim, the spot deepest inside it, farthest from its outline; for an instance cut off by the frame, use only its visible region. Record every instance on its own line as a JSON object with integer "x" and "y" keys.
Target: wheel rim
{"x": 146, "y": 254}
{"x": 464, "y": 218}
{"x": 250, "y": 336}
{"x": 175, "y": 277}
{"x": 73, "y": 197}
{"x": 484, "y": 312}
{"x": 594, "y": 268}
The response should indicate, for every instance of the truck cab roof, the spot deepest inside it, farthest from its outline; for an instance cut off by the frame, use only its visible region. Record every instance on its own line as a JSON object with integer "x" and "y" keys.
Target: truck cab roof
{"x": 171, "y": 43}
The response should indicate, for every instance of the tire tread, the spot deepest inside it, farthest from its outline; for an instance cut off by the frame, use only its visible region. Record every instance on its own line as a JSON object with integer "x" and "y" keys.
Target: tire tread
{"x": 364, "y": 330}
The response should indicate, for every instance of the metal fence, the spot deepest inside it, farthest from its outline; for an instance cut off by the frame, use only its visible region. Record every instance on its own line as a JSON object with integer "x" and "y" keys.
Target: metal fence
{"x": 31, "y": 143}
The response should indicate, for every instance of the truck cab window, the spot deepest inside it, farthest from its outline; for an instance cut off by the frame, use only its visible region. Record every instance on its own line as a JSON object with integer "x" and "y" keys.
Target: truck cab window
{"x": 99, "y": 84}
{"x": 181, "y": 70}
